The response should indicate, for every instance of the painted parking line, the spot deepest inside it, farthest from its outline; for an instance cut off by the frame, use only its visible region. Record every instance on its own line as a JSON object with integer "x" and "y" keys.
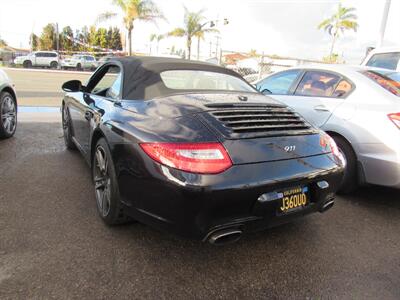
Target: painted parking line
{"x": 37, "y": 109}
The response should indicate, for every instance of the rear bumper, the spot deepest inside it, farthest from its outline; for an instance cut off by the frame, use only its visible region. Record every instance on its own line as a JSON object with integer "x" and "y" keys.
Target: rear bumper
{"x": 381, "y": 165}
{"x": 194, "y": 205}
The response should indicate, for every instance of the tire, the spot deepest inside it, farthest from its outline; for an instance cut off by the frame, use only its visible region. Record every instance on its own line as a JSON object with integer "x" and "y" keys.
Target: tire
{"x": 79, "y": 67}
{"x": 8, "y": 115}
{"x": 27, "y": 64}
{"x": 54, "y": 65}
{"x": 67, "y": 129}
{"x": 350, "y": 179}
{"x": 108, "y": 202}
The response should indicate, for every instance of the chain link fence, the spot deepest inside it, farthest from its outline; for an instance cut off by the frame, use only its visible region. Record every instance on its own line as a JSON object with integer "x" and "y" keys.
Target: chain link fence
{"x": 253, "y": 66}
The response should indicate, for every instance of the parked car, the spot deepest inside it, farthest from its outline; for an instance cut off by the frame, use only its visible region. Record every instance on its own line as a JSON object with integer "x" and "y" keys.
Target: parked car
{"x": 358, "y": 106}
{"x": 105, "y": 59}
{"x": 80, "y": 62}
{"x": 387, "y": 58}
{"x": 8, "y": 107}
{"x": 49, "y": 59}
{"x": 192, "y": 148}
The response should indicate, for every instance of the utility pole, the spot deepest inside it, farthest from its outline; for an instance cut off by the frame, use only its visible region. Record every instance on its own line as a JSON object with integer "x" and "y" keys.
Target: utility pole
{"x": 58, "y": 38}
{"x": 383, "y": 23}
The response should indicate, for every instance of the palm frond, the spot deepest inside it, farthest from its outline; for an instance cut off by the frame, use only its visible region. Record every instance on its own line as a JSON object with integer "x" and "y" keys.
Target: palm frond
{"x": 120, "y": 3}
{"x": 177, "y": 32}
{"x": 105, "y": 17}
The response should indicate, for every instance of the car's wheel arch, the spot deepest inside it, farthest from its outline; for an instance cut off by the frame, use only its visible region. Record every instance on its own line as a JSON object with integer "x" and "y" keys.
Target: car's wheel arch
{"x": 8, "y": 89}
{"x": 96, "y": 136}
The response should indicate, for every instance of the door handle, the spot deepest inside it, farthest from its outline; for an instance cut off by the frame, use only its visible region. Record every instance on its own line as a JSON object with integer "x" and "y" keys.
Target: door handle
{"x": 321, "y": 108}
{"x": 88, "y": 115}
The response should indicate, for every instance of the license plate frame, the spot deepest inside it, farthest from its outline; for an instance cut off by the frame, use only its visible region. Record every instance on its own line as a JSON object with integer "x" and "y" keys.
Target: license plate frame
{"x": 293, "y": 199}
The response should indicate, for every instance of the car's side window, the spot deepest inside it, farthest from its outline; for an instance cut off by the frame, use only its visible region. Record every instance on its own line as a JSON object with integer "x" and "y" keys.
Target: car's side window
{"x": 278, "y": 84}
{"x": 114, "y": 91}
{"x": 385, "y": 60}
{"x": 317, "y": 84}
{"x": 343, "y": 88}
{"x": 109, "y": 84}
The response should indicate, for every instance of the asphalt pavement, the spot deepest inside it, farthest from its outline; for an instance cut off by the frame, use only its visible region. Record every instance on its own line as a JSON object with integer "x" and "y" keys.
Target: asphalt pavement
{"x": 53, "y": 244}
{"x": 41, "y": 87}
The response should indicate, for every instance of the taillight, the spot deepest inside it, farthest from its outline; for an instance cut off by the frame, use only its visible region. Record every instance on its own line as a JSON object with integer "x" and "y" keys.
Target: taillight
{"x": 203, "y": 158}
{"x": 395, "y": 118}
{"x": 325, "y": 141}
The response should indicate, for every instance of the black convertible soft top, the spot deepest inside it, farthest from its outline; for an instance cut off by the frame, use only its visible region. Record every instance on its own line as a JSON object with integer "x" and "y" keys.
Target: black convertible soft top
{"x": 142, "y": 80}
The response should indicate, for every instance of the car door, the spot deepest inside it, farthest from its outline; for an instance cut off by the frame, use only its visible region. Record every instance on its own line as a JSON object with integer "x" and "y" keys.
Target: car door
{"x": 102, "y": 88}
{"x": 317, "y": 94}
{"x": 40, "y": 58}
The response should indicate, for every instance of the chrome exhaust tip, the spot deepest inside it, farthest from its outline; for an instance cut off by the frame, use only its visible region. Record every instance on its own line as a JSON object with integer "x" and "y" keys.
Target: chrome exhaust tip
{"x": 225, "y": 236}
{"x": 327, "y": 205}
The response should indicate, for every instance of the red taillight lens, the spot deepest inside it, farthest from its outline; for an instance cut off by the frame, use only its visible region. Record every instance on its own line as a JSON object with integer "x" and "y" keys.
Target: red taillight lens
{"x": 204, "y": 158}
{"x": 395, "y": 118}
{"x": 325, "y": 141}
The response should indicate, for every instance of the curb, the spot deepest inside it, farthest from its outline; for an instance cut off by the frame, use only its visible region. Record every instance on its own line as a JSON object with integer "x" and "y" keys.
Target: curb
{"x": 47, "y": 71}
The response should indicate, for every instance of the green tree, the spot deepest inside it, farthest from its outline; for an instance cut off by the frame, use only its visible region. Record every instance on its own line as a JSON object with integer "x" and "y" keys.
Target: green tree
{"x": 2, "y": 43}
{"x": 192, "y": 27}
{"x": 157, "y": 38}
{"x": 34, "y": 41}
{"x": 101, "y": 38}
{"x": 115, "y": 42}
{"x": 343, "y": 19}
{"x": 66, "y": 39}
{"x": 132, "y": 10}
{"x": 48, "y": 39}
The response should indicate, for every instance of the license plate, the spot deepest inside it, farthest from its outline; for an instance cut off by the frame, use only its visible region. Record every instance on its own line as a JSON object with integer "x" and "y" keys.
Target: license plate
{"x": 294, "y": 199}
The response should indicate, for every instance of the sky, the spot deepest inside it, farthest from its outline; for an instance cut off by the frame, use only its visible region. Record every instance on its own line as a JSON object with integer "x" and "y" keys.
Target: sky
{"x": 285, "y": 28}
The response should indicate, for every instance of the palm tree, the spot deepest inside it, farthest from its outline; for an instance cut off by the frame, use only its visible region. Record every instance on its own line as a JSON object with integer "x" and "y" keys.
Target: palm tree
{"x": 193, "y": 27}
{"x": 132, "y": 10}
{"x": 200, "y": 36}
{"x": 343, "y": 19}
{"x": 156, "y": 37}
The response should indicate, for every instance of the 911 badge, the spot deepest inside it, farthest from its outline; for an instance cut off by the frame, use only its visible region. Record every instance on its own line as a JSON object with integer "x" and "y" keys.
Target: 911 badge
{"x": 290, "y": 148}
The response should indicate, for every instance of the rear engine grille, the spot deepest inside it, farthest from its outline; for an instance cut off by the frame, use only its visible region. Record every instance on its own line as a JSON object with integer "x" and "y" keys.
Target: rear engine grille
{"x": 263, "y": 120}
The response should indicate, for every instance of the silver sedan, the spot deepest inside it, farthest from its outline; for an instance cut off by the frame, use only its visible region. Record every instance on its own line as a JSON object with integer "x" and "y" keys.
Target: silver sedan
{"x": 358, "y": 106}
{"x": 8, "y": 107}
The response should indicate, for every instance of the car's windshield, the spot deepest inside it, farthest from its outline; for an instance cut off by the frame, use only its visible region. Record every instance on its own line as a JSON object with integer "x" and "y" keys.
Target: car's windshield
{"x": 203, "y": 80}
{"x": 389, "y": 80}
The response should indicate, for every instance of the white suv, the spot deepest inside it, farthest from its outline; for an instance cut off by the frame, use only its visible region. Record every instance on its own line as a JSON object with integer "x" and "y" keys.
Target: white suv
{"x": 48, "y": 59}
{"x": 386, "y": 58}
{"x": 80, "y": 62}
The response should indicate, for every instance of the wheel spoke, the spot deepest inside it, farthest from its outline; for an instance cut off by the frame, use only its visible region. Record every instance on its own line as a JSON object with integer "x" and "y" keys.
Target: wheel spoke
{"x": 105, "y": 201}
{"x": 100, "y": 159}
{"x": 99, "y": 182}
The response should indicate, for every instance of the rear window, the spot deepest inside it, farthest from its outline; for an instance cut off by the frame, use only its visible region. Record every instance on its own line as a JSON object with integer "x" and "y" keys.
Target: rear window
{"x": 384, "y": 60}
{"x": 203, "y": 80}
{"x": 387, "y": 79}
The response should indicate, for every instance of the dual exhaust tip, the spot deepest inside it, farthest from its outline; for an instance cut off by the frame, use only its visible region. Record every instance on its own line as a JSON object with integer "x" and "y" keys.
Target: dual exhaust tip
{"x": 225, "y": 236}
{"x": 232, "y": 235}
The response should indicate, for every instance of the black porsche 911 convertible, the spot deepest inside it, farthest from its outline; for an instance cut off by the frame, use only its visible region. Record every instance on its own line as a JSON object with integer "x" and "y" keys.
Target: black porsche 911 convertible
{"x": 192, "y": 148}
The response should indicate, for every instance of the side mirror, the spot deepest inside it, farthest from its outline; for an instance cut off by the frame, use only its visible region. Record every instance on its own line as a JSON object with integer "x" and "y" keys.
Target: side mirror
{"x": 72, "y": 86}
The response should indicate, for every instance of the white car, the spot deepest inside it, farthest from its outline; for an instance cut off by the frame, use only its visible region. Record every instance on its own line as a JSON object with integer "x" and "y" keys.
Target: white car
{"x": 49, "y": 59}
{"x": 387, "y": 58}
{"x": 358, "y": 106}
{"x": 8, "y": 107}
{"x": 80, "y": 62}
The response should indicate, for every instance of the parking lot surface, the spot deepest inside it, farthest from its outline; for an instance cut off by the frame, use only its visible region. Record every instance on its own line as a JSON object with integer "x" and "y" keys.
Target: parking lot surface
{"x": 42, "y": 87}
{"x": 53, "y": 244}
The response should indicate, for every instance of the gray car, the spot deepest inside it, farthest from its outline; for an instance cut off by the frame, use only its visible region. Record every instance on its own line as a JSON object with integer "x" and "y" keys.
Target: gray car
{"x": 358, "y": 106}
{"x": 8, "y": 107}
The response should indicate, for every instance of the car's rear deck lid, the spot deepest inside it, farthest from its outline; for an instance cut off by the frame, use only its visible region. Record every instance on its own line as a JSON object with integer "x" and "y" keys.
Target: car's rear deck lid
{"x": 250, "y": 120}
